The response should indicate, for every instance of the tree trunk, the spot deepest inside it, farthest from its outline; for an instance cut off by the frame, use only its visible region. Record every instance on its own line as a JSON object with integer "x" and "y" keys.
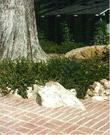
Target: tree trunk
{"x": 18, "y": 32}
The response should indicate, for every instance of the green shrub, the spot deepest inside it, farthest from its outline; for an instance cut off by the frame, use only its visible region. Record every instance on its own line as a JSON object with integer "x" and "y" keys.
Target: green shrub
{"x": 101, "y": 34}
{"x": 70, "y": 73}
{"x": 67, "y": 37}
{"x": 52, "y": 47}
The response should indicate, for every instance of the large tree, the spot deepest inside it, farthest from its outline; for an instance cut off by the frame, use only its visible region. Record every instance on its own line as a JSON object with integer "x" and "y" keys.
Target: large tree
{"x": 18, "y": 32}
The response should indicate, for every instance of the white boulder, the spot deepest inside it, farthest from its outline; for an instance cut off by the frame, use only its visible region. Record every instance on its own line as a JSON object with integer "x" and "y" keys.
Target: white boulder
{"x": 55, "y": 95}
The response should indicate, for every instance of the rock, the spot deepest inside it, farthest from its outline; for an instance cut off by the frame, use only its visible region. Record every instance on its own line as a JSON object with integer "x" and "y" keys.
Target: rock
{"x": 98, "y": 98}
{"x": 4, "y": 92}
{"x": 105, "y": 83}
{"x": 73, "y": 91}
{"x": 55, "y": 95}
{"x": 99, "y": 90}
{"x": 8, "y": 88}
{"x": 16, "y": 94}
{"x": 33, "y": 91}
{"x": 90, "y": 93}
{"x": 87, "y": 52}
{"x": 30, "y": 94}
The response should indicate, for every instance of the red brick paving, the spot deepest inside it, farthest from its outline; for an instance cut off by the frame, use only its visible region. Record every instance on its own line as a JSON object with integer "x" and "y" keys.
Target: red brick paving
{"x": 24, "y": 117}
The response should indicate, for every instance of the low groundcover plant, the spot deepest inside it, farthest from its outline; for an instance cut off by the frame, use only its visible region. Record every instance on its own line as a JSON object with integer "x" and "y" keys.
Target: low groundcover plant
{"x": 71, "y": 73}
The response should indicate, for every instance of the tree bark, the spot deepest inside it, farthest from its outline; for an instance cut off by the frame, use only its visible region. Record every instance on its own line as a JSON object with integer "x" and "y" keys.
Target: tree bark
{"x": 18, "y": 32}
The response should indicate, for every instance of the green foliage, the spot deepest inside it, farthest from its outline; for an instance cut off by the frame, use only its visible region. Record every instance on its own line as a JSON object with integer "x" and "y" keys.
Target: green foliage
{"x": 49, "y": 46}
{"x": 66, "y": 32}
{"x": 52, "y": 47}
{"x": 101, "y": 34}
{"x": 63, "y": 47}
{"x": 70, "y": 73}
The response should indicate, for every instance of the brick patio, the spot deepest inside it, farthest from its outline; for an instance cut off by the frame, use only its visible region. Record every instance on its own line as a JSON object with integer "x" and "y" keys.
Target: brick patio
{"x": 24, "y": 117}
